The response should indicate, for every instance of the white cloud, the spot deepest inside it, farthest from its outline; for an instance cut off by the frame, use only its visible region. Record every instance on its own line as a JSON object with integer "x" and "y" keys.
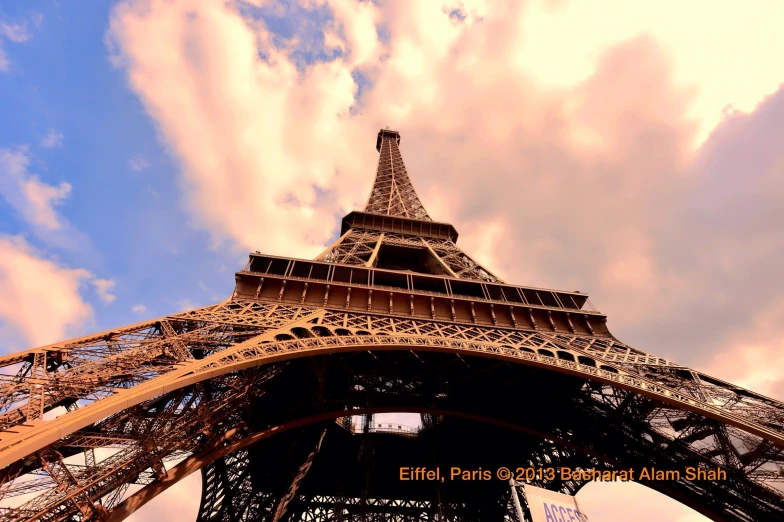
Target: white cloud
{"x": 42, "y": 198}
{"x": 52, "y": 139}
{"x": 37, "y": 18}
{"x": 229, "y": 153}
{"x": 103, "y": 288}
{"x": 356, "y": 22}
{"x": 32, "y": 198}
{"x": 184, "y": 305}
{"x": 138, "y": 164}
{"x": 706, "y": 51}
{"x": 753, "y": 355}
{"x": 41, "y": 300}
{"x": 138, "y": 309}
{"x": 5, "y": 64}
{"x": 16, "y": 33}
{"x": 177, "y": 504}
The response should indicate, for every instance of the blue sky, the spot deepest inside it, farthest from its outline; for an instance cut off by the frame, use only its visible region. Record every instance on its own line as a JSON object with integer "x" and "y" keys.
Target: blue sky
{"x": 124, "y": 198}
{"x": 72, "y": 114}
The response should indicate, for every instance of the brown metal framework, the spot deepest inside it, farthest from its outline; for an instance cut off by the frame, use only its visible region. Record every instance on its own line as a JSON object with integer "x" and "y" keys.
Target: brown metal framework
{"x": 392, "y": 317}
{"x": 392, "y": 193}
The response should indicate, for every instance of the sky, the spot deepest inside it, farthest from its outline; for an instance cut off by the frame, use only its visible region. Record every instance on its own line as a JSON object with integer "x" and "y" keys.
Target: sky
{"x": 630, "y": 150}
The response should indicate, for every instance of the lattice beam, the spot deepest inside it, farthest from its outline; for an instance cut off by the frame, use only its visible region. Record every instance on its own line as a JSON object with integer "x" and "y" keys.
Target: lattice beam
{"x": 181, "y": 387}
{"x": 392, "y": 193}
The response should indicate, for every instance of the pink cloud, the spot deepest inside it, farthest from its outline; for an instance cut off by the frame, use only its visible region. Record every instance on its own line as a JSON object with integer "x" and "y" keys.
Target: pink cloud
{"x": 206, "y": 92}
{"x": 619, "y": 501}
{"x": 181, "y": 503}
{"x": 355, "y": 31}
{"x": 41, "y": 199}
{"x": 138, "y": 164}
{"x": 52, "y": 139}
{"x": 16, "y": 33}
{"x": 41, "y": 299}
{"x": 104, "y": 287}
{"x": 5, "y": 64}
{"x": 32, "y": 198}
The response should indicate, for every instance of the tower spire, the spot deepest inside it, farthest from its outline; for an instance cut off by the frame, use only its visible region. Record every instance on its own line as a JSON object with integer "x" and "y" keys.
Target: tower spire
{"x": 392, "y": 193}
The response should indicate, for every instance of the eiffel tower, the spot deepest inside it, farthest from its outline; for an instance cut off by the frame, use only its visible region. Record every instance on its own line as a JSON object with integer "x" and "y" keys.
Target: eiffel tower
{"x": 258, "y": 393}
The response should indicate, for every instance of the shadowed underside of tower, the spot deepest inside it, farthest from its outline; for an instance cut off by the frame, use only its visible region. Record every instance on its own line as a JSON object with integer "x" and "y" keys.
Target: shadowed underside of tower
{"x": 254, "y": 393}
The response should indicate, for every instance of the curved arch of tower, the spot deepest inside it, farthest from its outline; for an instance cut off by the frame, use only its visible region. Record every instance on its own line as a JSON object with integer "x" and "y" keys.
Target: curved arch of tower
{"x": 257, "y": 393}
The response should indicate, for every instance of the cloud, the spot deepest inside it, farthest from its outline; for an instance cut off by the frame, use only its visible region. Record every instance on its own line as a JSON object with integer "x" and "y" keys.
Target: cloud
{"x": 229, "y": 150}
{"x": 138, "y": 164}
{"x": 32, "y": 198}
{"x": 178, "y": 503}
{"x": 37, "y": 18}
{"x": 52, "y": 139}
{"x": 752, "y": 356}
{"x": 103, "y": 288}
{"x": 41, "y": 300}
{"x": 354, "y": 31}
{"x": 618, "y": 501}
{"x": 138, "y": 309}
{"x": 36, "y": 202}
{"x": 184, "y": 305}
{"x": 16, "y": 33}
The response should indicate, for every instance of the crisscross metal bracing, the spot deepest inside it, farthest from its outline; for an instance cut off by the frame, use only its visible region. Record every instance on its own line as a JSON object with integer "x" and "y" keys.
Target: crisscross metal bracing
{"x": 392, "y": 317}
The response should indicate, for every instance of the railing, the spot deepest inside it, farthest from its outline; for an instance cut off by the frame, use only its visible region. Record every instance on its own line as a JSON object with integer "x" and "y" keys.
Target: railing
{"x": 354, "y": 275}
{"x": 380, "y": 427}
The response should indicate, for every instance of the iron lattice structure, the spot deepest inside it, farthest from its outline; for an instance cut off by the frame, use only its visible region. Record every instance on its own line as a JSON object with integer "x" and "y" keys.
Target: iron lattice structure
{"x": 393, "y": 317}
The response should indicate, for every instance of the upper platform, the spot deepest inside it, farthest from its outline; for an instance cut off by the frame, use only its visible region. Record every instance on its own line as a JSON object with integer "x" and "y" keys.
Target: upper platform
{"x": 397, "y": 224}
{"x": 395, "y": 135}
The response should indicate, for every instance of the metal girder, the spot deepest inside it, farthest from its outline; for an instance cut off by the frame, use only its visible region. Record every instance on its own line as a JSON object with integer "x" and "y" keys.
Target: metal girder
{"x": 193, "y": 386}
{"x": 392, "y": 193}
{"x": 316, "y": 331}
{"x": 322, "y": 338}
{"x": 283, "y": 503}
{"x": 357, "y": 247}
